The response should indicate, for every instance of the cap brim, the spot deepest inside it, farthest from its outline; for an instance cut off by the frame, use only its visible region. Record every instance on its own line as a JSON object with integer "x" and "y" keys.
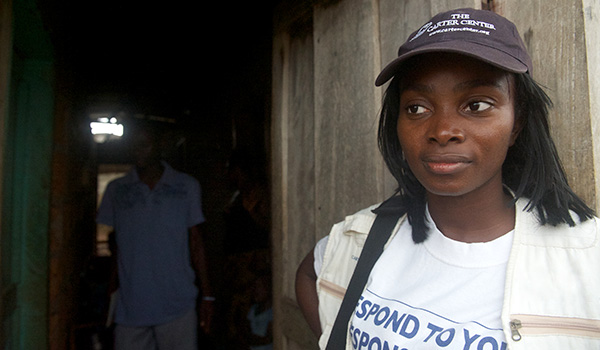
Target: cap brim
{"x": 484, "y": 53}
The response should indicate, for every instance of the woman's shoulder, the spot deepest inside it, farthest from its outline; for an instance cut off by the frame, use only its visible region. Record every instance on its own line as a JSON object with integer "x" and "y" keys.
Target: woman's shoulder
{"x": 584, "y": 234}
{"x": 359, "y": 222}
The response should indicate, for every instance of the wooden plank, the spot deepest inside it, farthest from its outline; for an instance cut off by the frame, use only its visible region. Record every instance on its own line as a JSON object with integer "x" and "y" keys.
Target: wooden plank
{"x": 349, "y": 167}
{"x": 591, "y": 18}
{"x": 293, "y": 173}
{"x": 278, "y": 110}
{"x": 552, "y": 32}
{"x": 299, "y": 160}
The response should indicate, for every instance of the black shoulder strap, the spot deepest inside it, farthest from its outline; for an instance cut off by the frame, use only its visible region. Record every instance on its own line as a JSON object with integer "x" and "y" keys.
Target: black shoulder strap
{"x": 380, "y": 232}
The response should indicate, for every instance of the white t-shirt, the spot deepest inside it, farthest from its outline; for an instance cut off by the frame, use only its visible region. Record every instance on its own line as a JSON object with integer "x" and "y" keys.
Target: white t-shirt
{"x": 442, "y": 294}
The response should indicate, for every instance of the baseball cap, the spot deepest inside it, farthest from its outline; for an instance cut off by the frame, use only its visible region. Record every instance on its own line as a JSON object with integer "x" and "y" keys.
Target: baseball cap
{"x": 480, "y": 34}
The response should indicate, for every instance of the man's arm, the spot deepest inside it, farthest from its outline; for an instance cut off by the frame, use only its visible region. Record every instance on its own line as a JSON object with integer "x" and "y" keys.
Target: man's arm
{"x": 199, "y": 262}
{"x": 306, "y": 293}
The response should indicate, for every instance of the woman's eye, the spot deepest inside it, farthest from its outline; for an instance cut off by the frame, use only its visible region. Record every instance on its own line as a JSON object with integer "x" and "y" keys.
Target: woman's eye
{"x": 416, "y": 109}
{"x": 478, "y": 106}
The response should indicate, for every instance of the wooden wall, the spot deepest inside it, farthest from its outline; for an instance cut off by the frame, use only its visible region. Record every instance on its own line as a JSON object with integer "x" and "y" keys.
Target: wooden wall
{"x": 591, "y": 19}
{"x": 555, "y": 35}
{"x": 325, "y": 161}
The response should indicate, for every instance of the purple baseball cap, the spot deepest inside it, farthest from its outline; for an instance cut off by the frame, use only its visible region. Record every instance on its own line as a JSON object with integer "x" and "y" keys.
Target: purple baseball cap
{"x": 480, "y": 34}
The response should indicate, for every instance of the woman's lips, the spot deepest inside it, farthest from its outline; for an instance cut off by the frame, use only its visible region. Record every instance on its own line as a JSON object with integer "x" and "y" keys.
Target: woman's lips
{"x": 445, "y": 164}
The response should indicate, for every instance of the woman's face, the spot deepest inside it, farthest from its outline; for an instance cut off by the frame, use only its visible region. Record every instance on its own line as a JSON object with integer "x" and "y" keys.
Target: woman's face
{"x": 456, "y": 123}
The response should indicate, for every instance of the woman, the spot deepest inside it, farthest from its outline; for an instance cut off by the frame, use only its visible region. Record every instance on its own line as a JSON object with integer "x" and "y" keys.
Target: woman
{"x": 493, "y": 250}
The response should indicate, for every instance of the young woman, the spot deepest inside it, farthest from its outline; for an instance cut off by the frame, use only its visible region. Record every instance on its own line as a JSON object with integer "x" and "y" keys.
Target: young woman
{"x": 493, "y": 250}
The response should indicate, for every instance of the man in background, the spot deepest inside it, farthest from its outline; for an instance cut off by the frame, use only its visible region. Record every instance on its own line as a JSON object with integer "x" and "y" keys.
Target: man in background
{"x": 155, "y": 212}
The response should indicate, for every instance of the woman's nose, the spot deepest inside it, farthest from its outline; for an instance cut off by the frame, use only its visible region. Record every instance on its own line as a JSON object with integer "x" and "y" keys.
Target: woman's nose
{"x": 445, "y": 128}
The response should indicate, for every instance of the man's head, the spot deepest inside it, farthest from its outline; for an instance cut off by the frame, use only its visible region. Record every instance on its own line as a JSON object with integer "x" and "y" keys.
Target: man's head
{"x": 145, "y": 146}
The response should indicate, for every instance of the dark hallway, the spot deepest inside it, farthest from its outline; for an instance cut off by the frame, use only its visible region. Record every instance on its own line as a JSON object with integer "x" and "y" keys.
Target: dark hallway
{"x": 200, "y": 71}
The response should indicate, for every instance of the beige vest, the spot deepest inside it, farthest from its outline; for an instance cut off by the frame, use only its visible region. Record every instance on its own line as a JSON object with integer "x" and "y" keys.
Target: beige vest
{"x": 552, "y": 290}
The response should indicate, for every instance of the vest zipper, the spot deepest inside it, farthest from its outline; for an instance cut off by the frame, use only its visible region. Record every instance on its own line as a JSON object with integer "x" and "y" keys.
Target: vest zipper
{"x": 515, "y": 325}
{"x": 534, "y": 324}
{"x": 333, "y": 289}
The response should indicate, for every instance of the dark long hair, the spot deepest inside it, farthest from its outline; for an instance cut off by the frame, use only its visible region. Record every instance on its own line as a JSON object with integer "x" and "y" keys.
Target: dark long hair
{"x": 532, "y": 168}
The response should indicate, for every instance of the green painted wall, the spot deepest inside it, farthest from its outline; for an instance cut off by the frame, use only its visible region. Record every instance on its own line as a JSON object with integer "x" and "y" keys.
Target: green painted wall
{"x": 26, "y": 183}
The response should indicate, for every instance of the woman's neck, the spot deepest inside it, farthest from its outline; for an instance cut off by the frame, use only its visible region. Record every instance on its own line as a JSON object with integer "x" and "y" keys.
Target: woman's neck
{"x": 475, "y": 217}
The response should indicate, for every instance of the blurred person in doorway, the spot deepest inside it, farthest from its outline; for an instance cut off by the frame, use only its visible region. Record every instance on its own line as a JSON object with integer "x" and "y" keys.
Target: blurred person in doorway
{"x": 156, "y": 212}
{"x": 259, "y": 329}
{"x": 246, "y": 246}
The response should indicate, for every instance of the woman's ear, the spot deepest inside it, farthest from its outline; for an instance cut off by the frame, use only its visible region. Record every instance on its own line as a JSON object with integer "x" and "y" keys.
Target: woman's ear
{"x": 519, "y": 123}
{"x": 517, "y": 127}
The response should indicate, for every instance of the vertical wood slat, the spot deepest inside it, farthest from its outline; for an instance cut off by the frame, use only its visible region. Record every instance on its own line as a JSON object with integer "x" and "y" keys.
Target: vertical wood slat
{"x": 300, "y": 140}
{"x": 349, "y": 169}
{"x": 293, "y": 180}
{"x": 554, "y": 34}
{"x": 280, "y": 42}
{"x": 591, "y": 17}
